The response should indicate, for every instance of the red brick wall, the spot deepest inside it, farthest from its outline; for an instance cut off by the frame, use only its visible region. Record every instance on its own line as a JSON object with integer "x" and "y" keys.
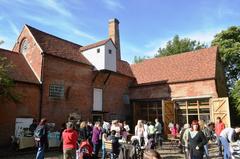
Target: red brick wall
{"x": 150, "y": 92}
{"x": 193, "y": 89}
{"x": 27, "y": 107}
{"x": 33, "y": 55}
{"x": 77, "y": 80}
{"x": 113, "y": 92}
{"x": 178, "y": 90}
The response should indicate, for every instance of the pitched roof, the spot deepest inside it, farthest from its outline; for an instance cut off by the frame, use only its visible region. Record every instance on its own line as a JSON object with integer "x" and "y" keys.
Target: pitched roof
{"x": 21, "y": 70}
{"x": 56, "y": 46}
{"x": 194, "y": 65}
{"x": 124, "y": 68}
{"x": 87, "y": 47}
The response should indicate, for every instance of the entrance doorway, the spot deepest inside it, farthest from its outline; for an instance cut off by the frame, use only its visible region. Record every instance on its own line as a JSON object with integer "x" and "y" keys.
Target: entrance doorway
{"x": 97, "y": 117}
{"x": 192, "y": 109}
{"x": 147, "y": 110}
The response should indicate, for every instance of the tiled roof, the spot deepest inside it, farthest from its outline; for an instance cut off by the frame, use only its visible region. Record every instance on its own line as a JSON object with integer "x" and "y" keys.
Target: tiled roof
{"x": 20, "y": 71}
{"x": 124, "y": 68}
{"x": 56, "y": 46}
{"x": 189, "y": 66}
{"x": 84, "y": 48}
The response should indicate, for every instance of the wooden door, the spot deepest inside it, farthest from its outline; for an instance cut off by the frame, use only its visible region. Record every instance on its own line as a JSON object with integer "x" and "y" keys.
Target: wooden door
{"x": 220, "y": 108}
{"x": 168, "y": 114}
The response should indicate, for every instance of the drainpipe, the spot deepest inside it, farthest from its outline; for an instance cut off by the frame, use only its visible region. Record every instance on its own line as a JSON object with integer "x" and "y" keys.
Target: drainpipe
{"x": 41, "y": 88}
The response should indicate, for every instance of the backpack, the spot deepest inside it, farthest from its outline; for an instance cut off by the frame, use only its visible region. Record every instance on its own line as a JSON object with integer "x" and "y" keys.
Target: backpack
{"x": 39, "y": 133}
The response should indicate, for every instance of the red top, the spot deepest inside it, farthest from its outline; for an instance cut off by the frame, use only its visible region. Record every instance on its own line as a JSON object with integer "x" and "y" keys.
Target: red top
{"x": 219, "y": 127}
{"x": 69, "y": 137}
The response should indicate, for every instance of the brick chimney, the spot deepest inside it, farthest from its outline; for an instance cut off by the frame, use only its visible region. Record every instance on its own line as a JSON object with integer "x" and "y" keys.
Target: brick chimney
{"x": 113, "y": 32}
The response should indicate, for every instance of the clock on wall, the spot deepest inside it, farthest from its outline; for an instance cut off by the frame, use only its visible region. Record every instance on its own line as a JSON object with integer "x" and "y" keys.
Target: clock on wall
{"x": 24, "y": 46}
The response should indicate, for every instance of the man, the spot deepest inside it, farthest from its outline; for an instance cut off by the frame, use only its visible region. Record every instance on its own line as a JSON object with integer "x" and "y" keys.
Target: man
{"x": 219, "y": 126}
{"x": 96, "y": 138}
{"x": 41, "y": 138}
{"x": 158, "y": 135}
{"x": 33, "y": 126}
{"x": 69, "y": 137}
{"x": 228, "y": 135}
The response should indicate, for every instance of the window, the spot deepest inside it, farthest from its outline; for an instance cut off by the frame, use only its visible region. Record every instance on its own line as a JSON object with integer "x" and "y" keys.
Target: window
{"x": 56, "y": 90}
{"x": 97, "y": 99}
{"x": 98, "y": 50}
{"x": 110, "y": 51}
{"x": 24, "y": 46}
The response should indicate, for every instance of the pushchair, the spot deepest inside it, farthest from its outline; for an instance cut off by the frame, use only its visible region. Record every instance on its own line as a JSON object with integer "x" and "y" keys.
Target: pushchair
{"x": 138, "y": 146}
{"x": 85, "y": 150}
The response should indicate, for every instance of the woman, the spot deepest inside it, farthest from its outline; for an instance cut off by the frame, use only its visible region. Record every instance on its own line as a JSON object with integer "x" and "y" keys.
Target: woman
{"x": 197, "y": 140}
{"x": 174, "y": 131}
{"x": 83, "y": 132}
{"x": 69, "y": 137}
{"x": 139, "y": 131}
{"x": 104, "y": 139}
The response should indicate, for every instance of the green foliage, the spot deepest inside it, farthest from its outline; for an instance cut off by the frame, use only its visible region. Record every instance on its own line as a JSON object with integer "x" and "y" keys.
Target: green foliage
{"x": 229, "y": 48}
{"x": 6, "y": 83}
{"x": 235, "y": 94}
{"x": 177, "y": 45}
{"x": 138, "y": 59}
{"x": 174, "y": 46}
{"x": 1, "y": 42}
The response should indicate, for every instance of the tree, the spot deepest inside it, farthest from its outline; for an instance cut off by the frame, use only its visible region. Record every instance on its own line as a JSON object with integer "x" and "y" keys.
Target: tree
{"x": 174, "y": 46}
{"x": 138, "y": 59}
{"x": 228, "y": 42}
{"x": 6, "y": 83}
{"x": 177, "y": 45}
{"x": 1, "y": 42}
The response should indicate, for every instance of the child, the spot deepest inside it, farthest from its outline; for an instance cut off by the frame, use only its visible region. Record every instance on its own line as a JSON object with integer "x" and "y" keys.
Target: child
{"x": 115, "y": 144}
{"x": 104, "y": 139}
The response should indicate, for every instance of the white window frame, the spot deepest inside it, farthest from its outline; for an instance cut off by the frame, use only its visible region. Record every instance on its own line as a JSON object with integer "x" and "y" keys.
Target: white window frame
{"x": 97, "y": 99}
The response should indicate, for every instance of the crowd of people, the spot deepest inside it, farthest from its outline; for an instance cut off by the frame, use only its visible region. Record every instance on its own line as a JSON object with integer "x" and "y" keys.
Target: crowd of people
{"x": 75, "y": 134}
{"x": 193, "y": 138}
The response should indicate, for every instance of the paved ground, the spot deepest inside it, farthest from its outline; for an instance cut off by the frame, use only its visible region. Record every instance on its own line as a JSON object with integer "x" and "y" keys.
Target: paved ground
{"x": 168, "y": 151}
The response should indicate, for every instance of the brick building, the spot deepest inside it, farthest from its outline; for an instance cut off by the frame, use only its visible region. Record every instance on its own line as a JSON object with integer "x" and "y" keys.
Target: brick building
{"x": 57, "y": 77}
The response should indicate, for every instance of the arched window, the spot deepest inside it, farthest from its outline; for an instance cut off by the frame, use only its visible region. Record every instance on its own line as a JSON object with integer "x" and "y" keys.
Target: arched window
{"x": 24, "y": 46}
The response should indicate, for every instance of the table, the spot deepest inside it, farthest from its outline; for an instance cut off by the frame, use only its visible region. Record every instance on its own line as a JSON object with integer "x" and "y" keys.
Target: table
{"x": 26, "y": 142}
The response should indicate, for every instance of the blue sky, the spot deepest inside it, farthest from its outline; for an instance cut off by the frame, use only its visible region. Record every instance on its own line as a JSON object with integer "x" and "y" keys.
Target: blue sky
{"x": 145, "y": 25}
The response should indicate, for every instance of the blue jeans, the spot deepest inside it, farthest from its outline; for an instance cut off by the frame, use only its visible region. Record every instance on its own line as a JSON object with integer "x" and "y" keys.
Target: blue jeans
{"x": 96, "y": 148}
{"x": 227, "y": 154}
{"x": 219, "y": 145}
{"x": 206, "y": 150}
{"x": 40, "y": 152}
{"x": 103, "y": 153}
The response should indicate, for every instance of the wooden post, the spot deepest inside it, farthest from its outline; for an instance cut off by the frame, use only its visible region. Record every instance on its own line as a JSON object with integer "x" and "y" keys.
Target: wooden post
{"x": 198, "y": 111}
{"x": 187, "y": 111}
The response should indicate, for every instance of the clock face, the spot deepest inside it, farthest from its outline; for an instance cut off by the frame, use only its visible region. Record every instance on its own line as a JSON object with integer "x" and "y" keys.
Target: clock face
{"x": 24, "y": 46}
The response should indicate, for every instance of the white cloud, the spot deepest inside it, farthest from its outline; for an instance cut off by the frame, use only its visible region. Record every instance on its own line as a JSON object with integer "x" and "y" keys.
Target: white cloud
{"x": 204, "y": 36}
{"x": 113, "y": 4}
{"x": 13, "y": 27}
{"x": 56, "y": 6}
{"x": 83, "y": 34}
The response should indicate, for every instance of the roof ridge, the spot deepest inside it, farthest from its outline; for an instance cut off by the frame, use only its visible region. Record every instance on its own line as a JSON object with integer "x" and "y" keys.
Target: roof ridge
{"x": 96, "y": 44}
{"x": 179, "y": 54}
{"x": 30, "y": 27}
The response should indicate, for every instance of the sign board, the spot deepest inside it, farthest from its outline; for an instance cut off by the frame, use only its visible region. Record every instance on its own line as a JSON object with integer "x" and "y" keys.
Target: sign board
{"x": 22, "y": 123}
